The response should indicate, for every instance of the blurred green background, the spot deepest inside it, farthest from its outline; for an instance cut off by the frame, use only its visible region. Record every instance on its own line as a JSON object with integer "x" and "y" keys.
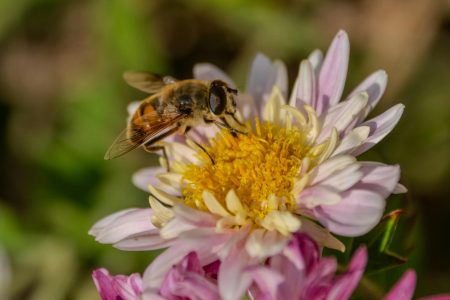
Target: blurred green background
{"x": 62, "y": 102}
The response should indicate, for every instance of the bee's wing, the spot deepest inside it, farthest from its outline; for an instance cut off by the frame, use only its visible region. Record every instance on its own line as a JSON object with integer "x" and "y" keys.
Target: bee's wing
{"x": 147, "y": 82}
{"x": 131, "y": 138}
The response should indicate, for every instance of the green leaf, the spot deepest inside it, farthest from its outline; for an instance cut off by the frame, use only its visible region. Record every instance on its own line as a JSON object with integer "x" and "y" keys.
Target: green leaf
{"x": 378, "y": 243}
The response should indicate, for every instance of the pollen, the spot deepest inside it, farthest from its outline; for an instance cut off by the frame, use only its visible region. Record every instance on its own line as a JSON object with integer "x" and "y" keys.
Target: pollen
{"x": 258, "y": 165}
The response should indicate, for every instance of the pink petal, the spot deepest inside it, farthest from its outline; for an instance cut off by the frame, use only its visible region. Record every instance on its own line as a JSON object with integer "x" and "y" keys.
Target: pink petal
{"x": 375, "y": 86}
{"x": 404, "y": 288}
{"x": 362, "y": 206}
{"x": 347, "y": 282}
{"x": 379, "y": 177}
{"x": 203, "y": 244}
{"x": 333, "y": 73}
{"x": 124, "y": 224}
{"x": 344, "y": 116}
{"x": 195, "y": 217}
{"x": 145, "y": 177}
{"x": 304, "y": 91}
{"x": 267, "y": 281}
{"x": 332, "y": 166}
{"x": 233, "y": 281}
{"x": 209, "y": 72}
{"x": 380, "y": 126}
{"x": 263, "y": 76}
{"x": 187, "y": 280}
{"x": 143, "y": 241}
{"x": 117, "y": 287}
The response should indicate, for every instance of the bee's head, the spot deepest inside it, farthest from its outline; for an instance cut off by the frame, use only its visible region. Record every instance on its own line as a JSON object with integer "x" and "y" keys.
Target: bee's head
{"x": 221, "y": 98}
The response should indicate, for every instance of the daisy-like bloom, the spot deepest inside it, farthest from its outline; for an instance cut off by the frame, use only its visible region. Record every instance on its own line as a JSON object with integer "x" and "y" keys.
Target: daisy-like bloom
{"x": 241, "y": 198}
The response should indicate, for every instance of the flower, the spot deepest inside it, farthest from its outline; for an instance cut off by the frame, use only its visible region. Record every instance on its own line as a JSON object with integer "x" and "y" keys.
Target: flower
{"x": 189, "y": 280}
{"x": 240, "y": 199}
{"x": 185, "y": 280}
{"x": 298, "y": 272}
{"x": 117, "y": 287}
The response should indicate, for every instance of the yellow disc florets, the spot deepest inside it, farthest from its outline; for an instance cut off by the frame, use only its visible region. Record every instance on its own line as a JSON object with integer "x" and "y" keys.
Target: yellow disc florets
{"x": 258, "y": 166}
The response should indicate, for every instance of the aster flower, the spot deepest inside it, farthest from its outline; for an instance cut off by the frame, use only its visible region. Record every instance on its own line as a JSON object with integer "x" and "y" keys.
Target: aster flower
{"x": 242, "y": 201}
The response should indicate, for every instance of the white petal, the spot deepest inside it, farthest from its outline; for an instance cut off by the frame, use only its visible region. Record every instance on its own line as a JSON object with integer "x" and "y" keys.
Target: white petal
{"x": 304, "y": 91}
{"x": 143, "y": 242}
{"x": 161, "y": 213}
{"x": 321, "y": 235}
{"x": 262, "y": 243}
{"x": 318, "y": 195}
{"x": 282, "y": 221}
{"x": 333, "y": 73}
{"x": 122, "y": 225}
{"x": 344, "y": 178}
{"x": 342, "y": 118}
{"x": 316, "y": 58}
{"x": 209, "y": 72}
{"x": 279, "y": 77}
{"x": 174, "y": 228}
{"x": 180, "y": 153}
{"x": 259, "y": 75}
{"x": 381, "y": 126}
{"x": 162, "y": 196}
{"x": 103, "y": 223}
{"x": 263, "y": 76}
{"x": 213, "y": 205}
{"x": 233, "y": 202}
{"x": 352, "y": 140}
{"x": 272, "y": 110}
{"x": 194, "y": 216}
{"x": 145, "y": 177}
{"x": 400, "y": 189}
{"x": 330, "y": 166}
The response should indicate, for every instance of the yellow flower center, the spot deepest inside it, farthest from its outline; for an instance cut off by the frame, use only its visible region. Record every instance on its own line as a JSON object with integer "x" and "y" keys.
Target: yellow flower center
{"x": 258, "y": 166}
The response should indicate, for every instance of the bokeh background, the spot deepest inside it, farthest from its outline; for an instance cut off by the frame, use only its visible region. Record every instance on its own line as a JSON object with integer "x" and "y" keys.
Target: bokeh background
{"x": 63, "y": 100}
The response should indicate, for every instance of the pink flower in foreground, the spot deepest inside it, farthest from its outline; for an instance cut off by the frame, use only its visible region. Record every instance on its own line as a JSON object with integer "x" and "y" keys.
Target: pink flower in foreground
{"x": 244, "y": 200}
{"x": 185, "y": 280}
{"x": 298, "y": 272}
{"x": 119, "y": 287}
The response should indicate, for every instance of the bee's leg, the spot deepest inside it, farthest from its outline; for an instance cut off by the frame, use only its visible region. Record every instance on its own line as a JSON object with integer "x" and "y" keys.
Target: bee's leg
{"x": 158, "y": 148}
{"x": 162, "y": 203}
{"x": 224, "y": 124}
{"x": 150, "y": 147}
{"x": 235, "y": 119}
{"x": 198, "y": 145}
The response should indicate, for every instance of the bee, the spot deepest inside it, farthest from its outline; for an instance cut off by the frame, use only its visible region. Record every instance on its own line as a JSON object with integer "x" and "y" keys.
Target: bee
{"x": 174, "y": 106}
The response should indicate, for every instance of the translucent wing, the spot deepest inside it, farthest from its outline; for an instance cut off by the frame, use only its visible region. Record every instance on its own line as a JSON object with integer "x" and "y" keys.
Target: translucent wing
{"x": 147, "y": 82}
{"x": 151, "y": 126}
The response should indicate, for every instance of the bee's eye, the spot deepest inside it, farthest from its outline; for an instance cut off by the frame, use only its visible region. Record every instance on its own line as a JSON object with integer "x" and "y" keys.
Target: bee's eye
{"x": 217, "y": 99}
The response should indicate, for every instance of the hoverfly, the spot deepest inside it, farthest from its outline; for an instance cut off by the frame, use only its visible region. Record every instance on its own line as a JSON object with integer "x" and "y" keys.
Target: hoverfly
{"x": 174, "y": 106}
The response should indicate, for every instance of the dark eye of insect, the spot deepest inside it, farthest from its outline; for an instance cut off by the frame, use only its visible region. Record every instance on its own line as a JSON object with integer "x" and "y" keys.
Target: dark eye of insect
{"x": 217, "y": 99}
